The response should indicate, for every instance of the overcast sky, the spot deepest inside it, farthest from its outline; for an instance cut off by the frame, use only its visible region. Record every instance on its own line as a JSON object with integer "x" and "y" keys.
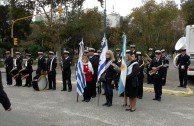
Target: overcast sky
{"x": 123, "y": 7}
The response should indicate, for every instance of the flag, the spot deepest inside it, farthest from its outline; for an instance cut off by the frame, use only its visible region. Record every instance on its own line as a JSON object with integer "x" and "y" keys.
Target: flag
{"x": 123, "y": 75}
{"x": 102, "y": 62}
{"x": 80, "y": 77}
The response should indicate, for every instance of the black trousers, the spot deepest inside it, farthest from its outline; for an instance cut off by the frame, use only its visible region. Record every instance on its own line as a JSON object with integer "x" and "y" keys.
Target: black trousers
{"x": 140, "y": 87}
{"x": 19, "y": 81}
{"x": 165, "y": 75}
{"x": 66, "y": 80}
{"x": 157, "y": 87}
{"x": 183, "y": 77}
{"x": 29, "y": 80}
{"x": 52, "y": 79}
{"x": 4, "y": 100}
{"x": 93, "y": 86}
{"x": 8, "y": 77}
{"x": 87, "y": 91}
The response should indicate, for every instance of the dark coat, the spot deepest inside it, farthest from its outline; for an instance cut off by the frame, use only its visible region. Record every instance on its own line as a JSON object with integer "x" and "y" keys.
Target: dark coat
{"x": 54, "y": 65}
{"x": 110, "y": 74}
{"x": 29, "y": 65}
{"x": 9, "y": 63}
{"x": 140, "y": 74}
{"x": 132, "y": 78}
{"x": 66, "y": 65}
{"x": 94, "y": 61}
{"x": 42, "y": 64}
{"x": 19, "y": 63}
{"x": 161, "y": 73}
{"x": 183, "y": 61}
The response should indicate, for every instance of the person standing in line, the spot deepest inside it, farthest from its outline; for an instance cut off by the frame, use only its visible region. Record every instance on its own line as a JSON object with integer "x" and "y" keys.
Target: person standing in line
{"x": 66, "y": 72}
{"x": 8, "y": 67}
{"x": 131, "y": 87}
{"x": 18, "y": 65}
{"x": 165, "y": 58}
{"x": 28, "y": 66}
{"x": 42, "y": 66}
{"x": 151, "y": 57}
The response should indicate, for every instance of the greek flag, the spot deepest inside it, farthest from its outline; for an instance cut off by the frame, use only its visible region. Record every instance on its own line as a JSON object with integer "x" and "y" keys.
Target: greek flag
{"x": 123, "y": 75}
{"x": 80, "y": 77}
{"x": 102, "y": 63}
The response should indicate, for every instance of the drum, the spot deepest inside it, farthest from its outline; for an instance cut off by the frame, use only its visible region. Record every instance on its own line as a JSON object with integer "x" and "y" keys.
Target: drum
{"x": 14, "y": 73}
{"x": 24, "y": 73}
{"x": 39, "y": 82}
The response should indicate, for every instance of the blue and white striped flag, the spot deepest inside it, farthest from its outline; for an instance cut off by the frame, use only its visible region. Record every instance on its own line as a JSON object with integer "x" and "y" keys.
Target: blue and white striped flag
{"x": 102, "y": 63}
{"x": 123, "y": 75}
{"x": 80, "y": 77}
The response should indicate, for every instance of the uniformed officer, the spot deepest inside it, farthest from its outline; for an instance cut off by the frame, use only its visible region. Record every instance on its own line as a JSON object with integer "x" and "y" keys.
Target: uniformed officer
{"x": 66, "y": 72}
{"x": 133, "y": 49}
{"x": 42, "y": 67}
{"x": 18, "y": 65}
{"x": 8, "y": 67}
{"x": 51, "y": 70}
{"x": 140, "y": 75}
{"x": 4, "y": 100}
{"x": 165, "y": 58}
{"x": 85, "y": 52}
{"x": 94, "y": 61}
{"x": 99, "y": 53}
{"x": 157, "y": 74}
{"x": 28, "y": 66}
{"x": 117, "y": 54}
{"x": 128, "y": 52}
{"x": 183, "y": 62}
{"x": 151, "y": 57}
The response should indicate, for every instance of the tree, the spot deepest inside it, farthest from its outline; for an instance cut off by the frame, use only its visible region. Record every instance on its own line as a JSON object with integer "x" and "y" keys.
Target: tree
{"x": 188, "y": 11}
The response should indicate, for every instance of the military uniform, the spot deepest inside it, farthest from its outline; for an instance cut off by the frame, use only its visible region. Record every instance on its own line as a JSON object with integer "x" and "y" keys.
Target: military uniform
{"x": 151, "y": 56}
{"x": 94, "y": 61}
{"x": 4, "y": 100}
{"x": 41, "y": 65}
{"x": 133, "y": 50}
{"x": 166, "y": 63}
{"x": 28, "y": 66}
{"x": 157, "y": 77}
{"x": 66, "y": 72}
{"x": 51, "y": 70}
{"x": 140, "y": 76}
{"x": 183, "y": 62}
{"x": 8, "y": 68}
{"x": 18, "y": 65}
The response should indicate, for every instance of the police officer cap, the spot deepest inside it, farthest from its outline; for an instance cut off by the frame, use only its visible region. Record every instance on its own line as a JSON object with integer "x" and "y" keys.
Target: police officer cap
{"x": 28, "y": 54}
{"x": 99, "y": 51}
{"x": 128, "y": 51}
{"x": 138, "y": 53}
{"x": 151, "y": 49}
{"x": 157, "y": 52}
{"x": 132, "y": 46}
{"x": 17, "y": 53}
{"x": 51, "y": 52}
{"x": 91, "y": 49}
{"x": 66, "y": 52}
{"x": 85, "y": 51}
{"x": 163, "y": 50}
{"x": 117, "y": 49}
{"x": 40, "y": 53}
{"x": 7, "y": 52}
{"x": 96, "y": 54}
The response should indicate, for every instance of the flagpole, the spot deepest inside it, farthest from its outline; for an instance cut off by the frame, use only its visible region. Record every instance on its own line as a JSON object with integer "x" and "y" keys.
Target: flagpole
{"x": 105, "y": 20}
{"x": 77, "y": 97}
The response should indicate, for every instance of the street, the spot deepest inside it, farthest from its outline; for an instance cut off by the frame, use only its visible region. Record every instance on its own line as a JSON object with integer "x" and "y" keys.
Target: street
{"x": 56, "y": 108}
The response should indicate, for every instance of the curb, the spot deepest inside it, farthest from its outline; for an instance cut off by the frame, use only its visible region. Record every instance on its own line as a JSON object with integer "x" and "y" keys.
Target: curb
{"x": 187, "y": 93}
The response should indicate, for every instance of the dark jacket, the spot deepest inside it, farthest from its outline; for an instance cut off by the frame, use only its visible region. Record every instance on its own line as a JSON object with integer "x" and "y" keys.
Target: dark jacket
{"x": 9, "y": 63}
{"x": 140, "y": 74}
{"x": 54, "y": 65}
{"x": 166, "y": 61}
{"x": 110, "y": 74}
{"x": 160, "y": 73}
{"x": 29, "y": 65}
{"x": 94, "y": 61}
{"x": 183, "y": 60}
{"x": 19, "y": 63}
{"x": 66, "y": 65}
{"x": 42, "y": 64}
{"x": 132, "y": 78}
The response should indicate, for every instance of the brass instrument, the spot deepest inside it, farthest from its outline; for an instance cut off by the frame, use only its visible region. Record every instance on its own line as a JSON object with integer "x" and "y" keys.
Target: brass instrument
{"x": 155, "y": 71}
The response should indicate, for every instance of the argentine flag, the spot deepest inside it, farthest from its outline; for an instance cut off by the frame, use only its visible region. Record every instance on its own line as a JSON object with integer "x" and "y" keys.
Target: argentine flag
{"x": 80, "y": 77}
{"x": 102, "y": 62}
{"x": 123, "y": 75}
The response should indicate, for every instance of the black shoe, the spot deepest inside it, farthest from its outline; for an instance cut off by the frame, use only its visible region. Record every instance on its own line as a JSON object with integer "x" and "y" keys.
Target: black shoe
{"x": 159, "y": 99}
{"x": 54, "y": 88}
{"x": 69, "y": 90}
{"x": 155, "y": 99}
{"x": 105, "y": 104}
{"x": 180, "y": 86}
{"x": 109, "y": 104}
{"x": 103, "y": 94}
{"x": 124, "y": 105}
{"x": 185, "y": 86}
{"x": 132, "y": 110}
{"x": 128, "y": 109}
{"x": 87, "y": 100}
{"x": 25, "y": 85}
{"x": 29, "y": 85}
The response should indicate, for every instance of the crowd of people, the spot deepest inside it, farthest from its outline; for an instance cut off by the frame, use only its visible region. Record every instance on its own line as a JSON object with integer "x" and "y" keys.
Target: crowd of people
{"x": 155, "y": 62}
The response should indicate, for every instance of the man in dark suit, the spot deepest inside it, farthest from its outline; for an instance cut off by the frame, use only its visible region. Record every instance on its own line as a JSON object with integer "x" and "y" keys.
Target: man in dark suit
{"x": 183, "y": 62}
{"x": 42, "y": 67}
{"x": 165, "y": 58}
{"x": 151, "y": 57}
{"x": 94, "y": 61}
{"x": 66, "y": 72}
{"x": 18, "y": 65}
{"x": 28, "y": 66}
{"x": 4, "y": 100}
{"x": 51, "y": 70}
{"x": 8, "y": 67}
{"x": 157, "y": 67}
{"x": 140, "y": 75}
